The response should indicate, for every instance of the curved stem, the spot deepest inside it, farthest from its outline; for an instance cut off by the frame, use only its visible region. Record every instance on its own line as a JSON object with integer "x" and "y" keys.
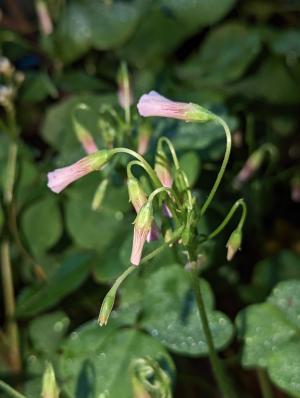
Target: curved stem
{"x": 216, "y": 365}
{"x": 151, "y": 172}
{"x": 230, "y": 214}
{"x": 172, "y": 150}
{"x": 223, "y": 166}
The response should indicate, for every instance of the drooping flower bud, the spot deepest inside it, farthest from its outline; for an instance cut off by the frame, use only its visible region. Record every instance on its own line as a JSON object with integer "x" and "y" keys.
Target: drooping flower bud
{"x": 83, "y": 135}
{"x": 250, "y": 167}
{"x": 59, "y": 179}
{"x": 107, "y": 306}
{"x": 233, "y": 244}
{"x": 138, "y": 198}
{"x": 142, "y": 226}
{"x": 50, "y": 388}
{"x": 154, "y": 104}
{"x": 162, "y": 168}
{"x": 136, "y": 193}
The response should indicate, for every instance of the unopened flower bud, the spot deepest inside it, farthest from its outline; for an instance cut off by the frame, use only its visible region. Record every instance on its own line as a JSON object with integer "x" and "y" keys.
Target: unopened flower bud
{"x": 144, "y": 135}
{"x": 233, "y": 244}
{"x": 136, "y": 193}
{"x": 59, "y": 179}
{"x": 142, "y": 226}
{"x": 99, "y": 194}
{"x": 250, "y": 167}
{"x": 154, "y": 104}
{"x": 44, "y": 18}
{"x": 107, "y": 306}
{"x": 124, "y": 93}
{"x": 50, "y": 388}
{"x": 6, "y": 95}
{"x": 83, "y": 135}
{"x": 162, "y": 168}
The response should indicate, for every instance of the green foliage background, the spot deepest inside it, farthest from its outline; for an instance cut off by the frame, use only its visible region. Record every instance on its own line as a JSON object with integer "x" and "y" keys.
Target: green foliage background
{"x": 239, "y": 59}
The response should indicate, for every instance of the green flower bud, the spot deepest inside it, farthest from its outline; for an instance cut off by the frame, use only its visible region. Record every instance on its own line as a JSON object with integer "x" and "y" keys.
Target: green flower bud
{"x": 233, "y": 244}
{"x": 107, "y": 306}
{"x": 50, "y": 388}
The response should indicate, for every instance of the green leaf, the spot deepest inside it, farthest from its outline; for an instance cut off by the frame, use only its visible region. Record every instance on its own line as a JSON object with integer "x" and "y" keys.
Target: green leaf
{"x": 168, "y": 292}
{"x": 270, "y": 334}
{"x": 224, "y": 55}
{"x": 160, "y": 22}
{"x": 41, "y": 224}
{"x": 67, "y": 278}
{"x": 37, "y": 87}
{"x": 93, "y": 24}
{"x": 47, "y": 331}
{"x": 284, "y": 368}
{"x": 191, "y": 165}
{"x": 98, "y": 230}
{"x": 287, "y": 43}
{"x": 98, "y": 361}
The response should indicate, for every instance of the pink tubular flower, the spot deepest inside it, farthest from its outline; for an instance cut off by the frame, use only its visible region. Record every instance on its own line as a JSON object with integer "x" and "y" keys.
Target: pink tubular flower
{"x": 142, "y": 227}
{"x": 154, "y": 104}
{"x": 59, "y": 179}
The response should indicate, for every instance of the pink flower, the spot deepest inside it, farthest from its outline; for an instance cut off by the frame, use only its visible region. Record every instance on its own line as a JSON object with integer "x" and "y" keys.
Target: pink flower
{"x": 59, "y": 179}
{"x": 142, "y": 227}
{"x": 154, "y": 104}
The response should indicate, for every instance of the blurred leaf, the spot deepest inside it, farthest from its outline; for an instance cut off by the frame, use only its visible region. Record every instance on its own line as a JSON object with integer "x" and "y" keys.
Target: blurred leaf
{"x": 224, "y": 55}
{"x": 191, "y": 164}
{"x": 80, "y": 82}
{"x": 268, "y": 272}
{"x": 67, "y": 278}
{"x": 168, "y": 292}
{"x": 47, "y": 331}
{"x": 270, "y": 333}
{"x": 273, "y": 83}
{"x": 90, "y": 23}
{"x": 161, "y": 21}
{"x": 42, "y": 225}
{"x": 287, "y": 43}
{"x": 99, "y": 362}
{"x": 1, "y": 218}
{"x": 37, "y": 87}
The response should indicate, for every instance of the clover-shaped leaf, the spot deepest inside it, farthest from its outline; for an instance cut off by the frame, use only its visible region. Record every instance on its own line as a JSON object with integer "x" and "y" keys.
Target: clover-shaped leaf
{"x": 95, "y": 361}
{"x": 270, "y": 334}
{"x": 171, "y": 315}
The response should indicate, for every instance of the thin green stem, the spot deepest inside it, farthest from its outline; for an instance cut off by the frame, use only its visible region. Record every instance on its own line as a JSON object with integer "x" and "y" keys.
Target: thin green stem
{"x": 9, "y": 304}
{"x": 152, "y": 175}
{"x": 10, "y": 172}
{"x": 230, "y": 214}
{"x": 10, "y": 391}
{"x": 223, "y": 166}
{"x": 216, "y": 365}
{"x": 264, "y": 384}
{"x": 172, "y": 150}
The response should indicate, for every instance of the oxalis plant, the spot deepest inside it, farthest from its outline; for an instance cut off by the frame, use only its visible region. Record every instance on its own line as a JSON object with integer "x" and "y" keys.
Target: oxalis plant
{"x": 170, "y": 196}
